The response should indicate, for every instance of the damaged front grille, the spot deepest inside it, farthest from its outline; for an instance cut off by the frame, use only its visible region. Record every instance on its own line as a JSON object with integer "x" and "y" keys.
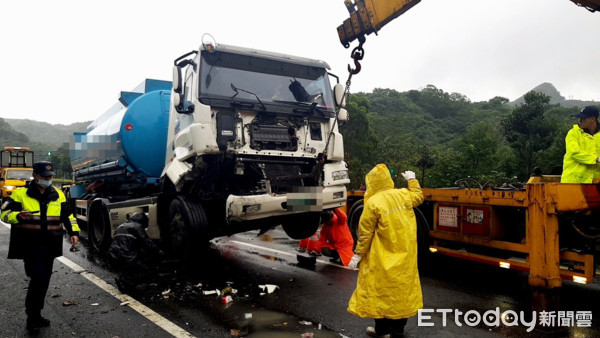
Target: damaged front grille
{"x": 273, "y": 137}
{"x": 281, "y": 174}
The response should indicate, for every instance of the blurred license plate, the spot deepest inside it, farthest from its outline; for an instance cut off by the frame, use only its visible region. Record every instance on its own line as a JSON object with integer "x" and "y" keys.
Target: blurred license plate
{"x": 305, "y": 199}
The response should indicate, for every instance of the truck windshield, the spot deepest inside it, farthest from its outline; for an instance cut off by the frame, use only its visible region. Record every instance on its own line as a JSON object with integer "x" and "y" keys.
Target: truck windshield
{"x": 19, "y": 174}
{"x": 270, "y": 80}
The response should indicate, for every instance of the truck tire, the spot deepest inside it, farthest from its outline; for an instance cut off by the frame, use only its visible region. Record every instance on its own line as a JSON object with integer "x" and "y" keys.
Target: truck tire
{"x": 422, "y": 239}
{"x": 354, "y": 219}
{"x": 302, "y": 225}
{"x": 422, "y": 230}
{"x": 186, "y": 235}
{"x": 99, "y": 231}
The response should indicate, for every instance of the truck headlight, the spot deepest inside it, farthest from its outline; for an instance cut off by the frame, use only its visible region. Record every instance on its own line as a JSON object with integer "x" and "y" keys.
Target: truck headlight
{"x": 9, "y": 187}
{"x": 340, "y": 175}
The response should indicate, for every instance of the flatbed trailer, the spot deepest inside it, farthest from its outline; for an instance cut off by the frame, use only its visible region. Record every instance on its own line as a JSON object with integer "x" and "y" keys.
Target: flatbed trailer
{"x": 540, "y": 228}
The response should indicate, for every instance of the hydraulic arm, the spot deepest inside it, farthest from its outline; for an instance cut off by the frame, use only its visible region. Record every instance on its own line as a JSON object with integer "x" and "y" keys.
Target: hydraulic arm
{"x": 368, "y": 16}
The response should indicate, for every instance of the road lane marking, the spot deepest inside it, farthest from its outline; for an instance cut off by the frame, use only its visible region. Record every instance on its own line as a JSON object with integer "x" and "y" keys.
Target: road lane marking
{"x": 154, "y": 317}
{"x": 142, "y": 309}
{"x": 285, "y": 253}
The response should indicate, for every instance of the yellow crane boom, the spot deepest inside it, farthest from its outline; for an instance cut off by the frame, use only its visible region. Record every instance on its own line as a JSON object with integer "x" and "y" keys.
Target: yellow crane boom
{"x": 368, "y": 16}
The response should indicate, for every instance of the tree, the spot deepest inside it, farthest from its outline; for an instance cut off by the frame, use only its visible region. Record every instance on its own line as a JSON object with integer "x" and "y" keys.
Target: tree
{"x": 528, "y": 132}
{"x": 426, "y": 161}
{"x": 360, "y": 142}
{"x": 478, "y": 147}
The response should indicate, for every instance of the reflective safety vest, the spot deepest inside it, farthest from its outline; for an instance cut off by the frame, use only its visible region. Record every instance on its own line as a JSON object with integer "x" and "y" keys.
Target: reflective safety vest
{"x": 43, "y": 233}
{"x": 31, "y": 204}
{"x": 28, "y": 203}
{"x": 580, "y": 161}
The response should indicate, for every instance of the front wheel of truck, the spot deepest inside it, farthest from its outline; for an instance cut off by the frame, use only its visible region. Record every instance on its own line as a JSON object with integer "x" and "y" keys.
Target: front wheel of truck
{"x": 187, "y": 229}
{"x": 301, "y": 226}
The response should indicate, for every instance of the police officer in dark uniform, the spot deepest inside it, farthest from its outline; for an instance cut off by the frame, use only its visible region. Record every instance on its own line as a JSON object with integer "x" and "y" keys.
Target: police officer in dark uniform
{"x": 37, "y": 215}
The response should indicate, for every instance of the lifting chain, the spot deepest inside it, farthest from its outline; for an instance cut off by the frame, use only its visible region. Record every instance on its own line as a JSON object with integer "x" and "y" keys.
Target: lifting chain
{"x": 357, "y": 54}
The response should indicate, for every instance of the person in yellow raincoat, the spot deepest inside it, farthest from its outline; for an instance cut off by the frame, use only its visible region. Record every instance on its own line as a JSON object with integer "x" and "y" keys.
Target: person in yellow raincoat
{"x": 580, "y": 164}
{"x": 388, "y": 287}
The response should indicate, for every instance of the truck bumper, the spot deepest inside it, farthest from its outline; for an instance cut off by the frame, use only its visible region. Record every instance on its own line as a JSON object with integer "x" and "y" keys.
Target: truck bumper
{"x": 246, "y": 208}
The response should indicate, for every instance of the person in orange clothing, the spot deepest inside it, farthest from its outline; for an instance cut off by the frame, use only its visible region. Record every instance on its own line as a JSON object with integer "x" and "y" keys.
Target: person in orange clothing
{"x": 335, "y": 239}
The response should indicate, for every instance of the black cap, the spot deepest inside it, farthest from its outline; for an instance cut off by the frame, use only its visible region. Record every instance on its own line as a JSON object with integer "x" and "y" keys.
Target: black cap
{"x": 588, "y": 111}
{"x": 43, "y": 168}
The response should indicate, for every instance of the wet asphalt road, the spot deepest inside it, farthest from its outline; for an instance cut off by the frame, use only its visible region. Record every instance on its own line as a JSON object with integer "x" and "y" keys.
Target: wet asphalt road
{"x": 308, "y": 299}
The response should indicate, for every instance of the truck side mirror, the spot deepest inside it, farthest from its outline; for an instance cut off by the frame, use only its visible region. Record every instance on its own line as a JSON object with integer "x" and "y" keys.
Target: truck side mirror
{"x": 343, "y": 115}
{"x": 176, "y": 100}
{"x": 339, "y": 95}
{"x": 176, "y": 79}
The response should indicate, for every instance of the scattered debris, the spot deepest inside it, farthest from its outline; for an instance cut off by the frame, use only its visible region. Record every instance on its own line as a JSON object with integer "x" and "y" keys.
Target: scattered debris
{"x": 166, "y": 293}
{"x": 211, "y": 292}
{"x": 55, "y": 296}
{"x": 95, "y": 304}
{"x": 124, "y": 303}
{"x": 235, "y": 332}
{"x": 268, "y": 288}
{"x": 247, "y": 315}
{"x": 304, "y": 322}
{"x": 308, "y": 335}
{"x": 226, "y": 300}
{"x": 69, "y": 302}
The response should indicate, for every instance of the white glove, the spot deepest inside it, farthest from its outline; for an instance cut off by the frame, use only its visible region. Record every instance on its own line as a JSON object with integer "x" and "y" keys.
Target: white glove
{"x": 598, "y": 160}
{"x": 353, "y": 265}
{"x": 409, "y": 175}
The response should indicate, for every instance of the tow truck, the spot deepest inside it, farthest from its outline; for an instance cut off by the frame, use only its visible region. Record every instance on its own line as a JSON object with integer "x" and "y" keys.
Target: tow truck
{"x": 15, "y": 169}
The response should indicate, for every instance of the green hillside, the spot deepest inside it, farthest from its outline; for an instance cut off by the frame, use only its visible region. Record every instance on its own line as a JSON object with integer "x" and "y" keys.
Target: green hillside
{"x": 445, "y": 137}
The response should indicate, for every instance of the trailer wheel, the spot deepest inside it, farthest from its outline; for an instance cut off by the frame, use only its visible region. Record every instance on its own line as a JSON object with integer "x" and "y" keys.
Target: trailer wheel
{"x": 354, "y": 219}
{"x": 302, "y": 225}
{"x": 422, "y": 238}
{"x": 99, "y": 231}
{"x": 187, "y": 233}
{"x": 422, "y": 230}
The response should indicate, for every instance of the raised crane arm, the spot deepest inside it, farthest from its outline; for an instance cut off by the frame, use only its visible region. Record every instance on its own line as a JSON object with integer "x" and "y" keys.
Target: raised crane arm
{"x": 591, "y": 5}
{"x": 368, "y": 16}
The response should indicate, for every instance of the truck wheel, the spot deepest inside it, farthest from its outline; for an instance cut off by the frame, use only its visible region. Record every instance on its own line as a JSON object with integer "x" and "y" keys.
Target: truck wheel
{"x": 422, "y": 230}
{"x": 354, "y": 219}
{"x": 422, "y": 239}
{"x": 187, "y": 229}
{"x": 303, "y": 225}
{"x": 99, "y": 231}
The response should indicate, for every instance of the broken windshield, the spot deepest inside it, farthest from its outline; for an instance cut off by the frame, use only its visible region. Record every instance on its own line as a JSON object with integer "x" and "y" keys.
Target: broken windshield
{"x": 271, "y": 81}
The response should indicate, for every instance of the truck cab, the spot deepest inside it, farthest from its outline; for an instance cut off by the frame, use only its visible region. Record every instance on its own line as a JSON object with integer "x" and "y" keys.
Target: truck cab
{"x": 258, "y": 132}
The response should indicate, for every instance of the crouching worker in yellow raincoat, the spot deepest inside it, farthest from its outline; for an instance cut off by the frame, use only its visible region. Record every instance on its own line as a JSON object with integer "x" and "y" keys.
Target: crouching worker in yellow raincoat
{"x": 388, "y": 287}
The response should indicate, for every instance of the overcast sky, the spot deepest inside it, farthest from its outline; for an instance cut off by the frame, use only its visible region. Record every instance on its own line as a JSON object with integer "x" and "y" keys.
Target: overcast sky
{"x": 66, "y": 61}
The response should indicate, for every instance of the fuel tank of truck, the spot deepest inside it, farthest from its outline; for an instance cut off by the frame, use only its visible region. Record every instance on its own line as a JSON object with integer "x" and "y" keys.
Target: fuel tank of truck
{"x": 128, "y": 142}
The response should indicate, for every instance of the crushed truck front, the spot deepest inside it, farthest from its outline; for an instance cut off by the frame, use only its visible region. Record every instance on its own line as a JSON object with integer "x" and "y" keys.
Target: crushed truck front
{"x": 251, "y": 130}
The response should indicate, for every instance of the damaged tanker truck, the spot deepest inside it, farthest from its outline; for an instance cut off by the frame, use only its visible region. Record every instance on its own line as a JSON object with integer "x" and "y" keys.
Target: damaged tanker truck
{"x": 240, "y": 140}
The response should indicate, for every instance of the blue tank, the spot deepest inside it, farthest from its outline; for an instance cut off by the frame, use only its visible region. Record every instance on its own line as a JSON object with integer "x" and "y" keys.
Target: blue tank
{"x": 127, "y": 144}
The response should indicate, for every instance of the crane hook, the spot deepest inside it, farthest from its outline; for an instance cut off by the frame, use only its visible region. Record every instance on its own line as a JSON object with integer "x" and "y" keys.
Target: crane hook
{"x": 357, "y": 54}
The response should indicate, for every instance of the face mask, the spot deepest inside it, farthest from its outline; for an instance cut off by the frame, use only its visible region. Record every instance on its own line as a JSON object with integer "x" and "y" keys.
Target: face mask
{"x": 44, "y": 183}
